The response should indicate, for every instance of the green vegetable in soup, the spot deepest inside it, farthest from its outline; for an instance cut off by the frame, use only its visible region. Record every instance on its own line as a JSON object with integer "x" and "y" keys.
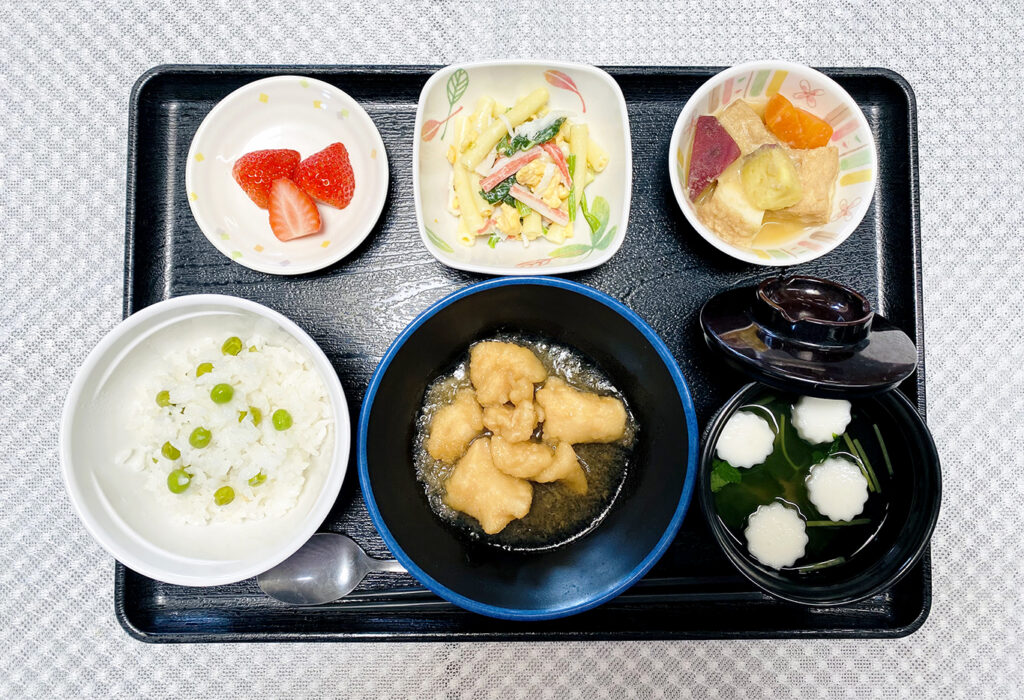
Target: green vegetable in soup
{"x": 723, "y": 474}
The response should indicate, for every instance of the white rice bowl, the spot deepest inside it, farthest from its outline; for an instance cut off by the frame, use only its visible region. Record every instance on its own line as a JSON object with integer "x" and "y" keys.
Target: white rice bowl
{"x": 746, "y": 440}
{"x": 820, "y": 420}
{"x": 837, "y": 488}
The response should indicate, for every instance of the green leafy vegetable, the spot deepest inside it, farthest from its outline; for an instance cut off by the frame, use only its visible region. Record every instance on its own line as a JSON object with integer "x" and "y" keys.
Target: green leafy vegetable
{"x": 500, "y": 192}
{"x": 521, "y": 142}
{"x": 724, "y": 474}
{"x": 837, "y": 523}
{"x": 523, "y": 210}
{"x": 494, "y": 240}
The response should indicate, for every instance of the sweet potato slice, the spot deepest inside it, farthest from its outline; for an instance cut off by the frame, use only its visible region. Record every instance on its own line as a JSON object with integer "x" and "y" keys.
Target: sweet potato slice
{"x": 713, "y": 151}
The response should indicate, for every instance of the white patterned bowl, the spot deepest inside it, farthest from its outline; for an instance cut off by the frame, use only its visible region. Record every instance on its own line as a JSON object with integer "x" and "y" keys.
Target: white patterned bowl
{"x": 808, "y": 89}
{"x": 584, "y": 90}
{"x": 285, "y": 111}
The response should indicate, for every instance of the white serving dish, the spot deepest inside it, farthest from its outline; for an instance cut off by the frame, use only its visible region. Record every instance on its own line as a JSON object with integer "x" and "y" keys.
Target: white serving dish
{"x": 808, "y": 89}
{"x": 285, "y": 111}
{"x": 605, "y": 113}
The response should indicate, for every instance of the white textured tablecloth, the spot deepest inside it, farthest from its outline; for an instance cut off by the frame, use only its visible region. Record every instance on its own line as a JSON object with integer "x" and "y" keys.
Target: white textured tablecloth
{"x": 65, "y": 75}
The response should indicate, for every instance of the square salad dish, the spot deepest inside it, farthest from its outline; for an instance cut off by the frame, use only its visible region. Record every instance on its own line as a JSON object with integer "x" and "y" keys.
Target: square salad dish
{"x": 541, "y": 150}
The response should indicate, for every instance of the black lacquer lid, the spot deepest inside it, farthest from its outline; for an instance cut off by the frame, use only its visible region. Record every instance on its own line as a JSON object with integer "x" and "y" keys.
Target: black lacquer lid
{"x": 810, "y": 336}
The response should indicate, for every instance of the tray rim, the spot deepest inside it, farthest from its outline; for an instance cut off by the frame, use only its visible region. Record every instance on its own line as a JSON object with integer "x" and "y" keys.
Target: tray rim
{"x": 128, "y": 297}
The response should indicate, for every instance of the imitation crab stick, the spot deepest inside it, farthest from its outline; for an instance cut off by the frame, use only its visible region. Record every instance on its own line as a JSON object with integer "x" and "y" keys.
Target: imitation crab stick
{"x": 537, "y": 204}
{"x": 556, "y": 155}
{"x": 506, "y": 167}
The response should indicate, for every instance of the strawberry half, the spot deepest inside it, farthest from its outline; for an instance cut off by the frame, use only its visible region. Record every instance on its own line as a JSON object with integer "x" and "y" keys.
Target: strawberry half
{"x": 293, "y": 213}
{"x": 254, "y": 172}
{"x": 328, "y": 176}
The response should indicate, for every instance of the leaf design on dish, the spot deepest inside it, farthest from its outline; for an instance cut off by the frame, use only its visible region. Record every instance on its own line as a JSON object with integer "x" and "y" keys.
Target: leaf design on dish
{"x": 431, "y": 126}
{"x": 570, "y": 251}
{"x": 455, "y": 89}
{"x": 601, "y": 236}
{"x": 437, "y": 240}
{"x": 562, "y": 81}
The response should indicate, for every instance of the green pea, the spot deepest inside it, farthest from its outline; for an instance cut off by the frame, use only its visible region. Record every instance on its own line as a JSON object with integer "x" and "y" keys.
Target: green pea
{"x": 222, "y": 393}
{"x": 232, "y": 346}
{"x": 257, "y": 415}
{"x": 224, "y": 495}
{"x": 257, "y": 480}
{"x": 163, "y": 398}
{"x": 200, "y": 437}
{"x": 241, "y": 415}
{"x": 252, "y": 348}
{"x": 170, "y": 451}
{"x": 178, "y": 480}
{"x": 204, "y": 368}
{"x": 282, "y": 419}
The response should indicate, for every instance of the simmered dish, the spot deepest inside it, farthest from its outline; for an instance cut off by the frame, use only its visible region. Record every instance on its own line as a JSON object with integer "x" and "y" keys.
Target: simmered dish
{"x": 761, "y": 173}
{"x": 524, "y": 441}
{"x": 794, "y": 480}
{"x": 519, "y": 172}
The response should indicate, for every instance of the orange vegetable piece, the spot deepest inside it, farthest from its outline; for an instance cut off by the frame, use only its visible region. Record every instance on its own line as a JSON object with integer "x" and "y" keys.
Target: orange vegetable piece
{"x": 794, "y": 126}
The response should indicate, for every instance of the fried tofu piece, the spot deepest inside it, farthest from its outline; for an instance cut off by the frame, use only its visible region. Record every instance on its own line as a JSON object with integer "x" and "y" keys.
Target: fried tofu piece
{"x": 514, "y": 423}
{"x": 538, "y": 462}
{"x": 454, "y": 426}
{"x": 524, "y": 460}
{"x": 478, "y": 489}
{"x": 729, "y": 212}
{"x": 574, "y": 416}
{"x": 504, "y": 372}
{"x": 565, "y": 467}
{"x": 746, "y": 128}
{"x": 818, "y": 169}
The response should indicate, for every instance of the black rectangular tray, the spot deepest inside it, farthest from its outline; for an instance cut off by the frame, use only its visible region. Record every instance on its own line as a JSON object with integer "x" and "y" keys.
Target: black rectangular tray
{"x": 664, "y": 271}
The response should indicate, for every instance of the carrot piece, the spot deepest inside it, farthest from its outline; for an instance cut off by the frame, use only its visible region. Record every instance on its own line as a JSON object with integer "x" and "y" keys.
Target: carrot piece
{"x": 816, "y": 131}
{"x": 794, "y": 126}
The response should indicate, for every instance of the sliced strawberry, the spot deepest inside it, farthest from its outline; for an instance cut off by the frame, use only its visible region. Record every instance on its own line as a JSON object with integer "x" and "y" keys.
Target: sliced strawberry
{"x": 255, "y": 171}
{"x": 293, "y": 213}
{"x": 328, "y": 176}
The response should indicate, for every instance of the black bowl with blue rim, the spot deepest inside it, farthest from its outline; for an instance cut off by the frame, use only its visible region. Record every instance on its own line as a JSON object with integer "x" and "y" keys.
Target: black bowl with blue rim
{"x": 646, "y": 513}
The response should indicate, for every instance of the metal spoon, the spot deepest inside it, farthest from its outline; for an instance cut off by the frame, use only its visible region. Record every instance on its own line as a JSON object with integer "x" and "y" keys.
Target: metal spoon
{"x": 327, "y": 567}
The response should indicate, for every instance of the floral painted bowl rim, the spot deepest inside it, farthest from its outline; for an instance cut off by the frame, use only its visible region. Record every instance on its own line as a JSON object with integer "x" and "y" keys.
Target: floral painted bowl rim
{"x": 856, "y": 215}
{"x": 627, "y": 166}
{"x": 376, "y": 188}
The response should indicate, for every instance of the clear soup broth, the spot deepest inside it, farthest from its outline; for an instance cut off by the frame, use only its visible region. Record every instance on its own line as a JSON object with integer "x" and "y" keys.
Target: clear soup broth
{"x": 783, "y": 475}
